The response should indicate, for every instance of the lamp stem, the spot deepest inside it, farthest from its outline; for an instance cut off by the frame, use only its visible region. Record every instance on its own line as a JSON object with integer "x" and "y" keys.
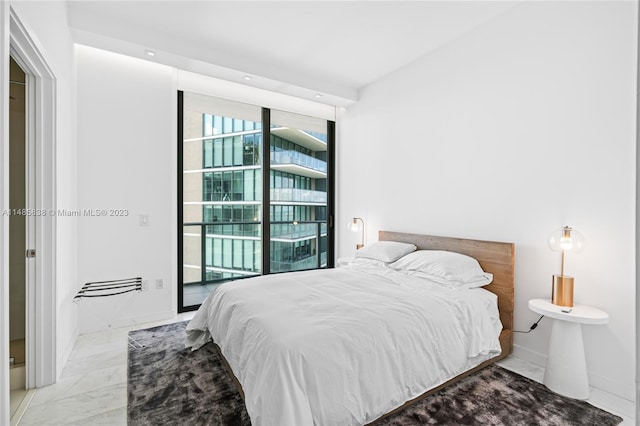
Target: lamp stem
{"x": 354, "y": 228}
{"x": 562, "y": 267}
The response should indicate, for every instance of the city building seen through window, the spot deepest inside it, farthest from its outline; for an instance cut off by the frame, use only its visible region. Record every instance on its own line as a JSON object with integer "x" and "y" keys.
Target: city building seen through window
{"x": 222, "y": 193}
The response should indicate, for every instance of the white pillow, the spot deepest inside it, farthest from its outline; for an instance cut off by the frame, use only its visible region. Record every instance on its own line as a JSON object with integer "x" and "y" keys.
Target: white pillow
{"x": 385, "y": 251}
{"x": 453, "y": 270}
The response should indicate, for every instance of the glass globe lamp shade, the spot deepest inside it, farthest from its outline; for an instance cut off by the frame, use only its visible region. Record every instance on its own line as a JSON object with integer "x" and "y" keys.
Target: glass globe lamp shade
{"x": 566, "y": 239}
{"x": 354, "y": 225}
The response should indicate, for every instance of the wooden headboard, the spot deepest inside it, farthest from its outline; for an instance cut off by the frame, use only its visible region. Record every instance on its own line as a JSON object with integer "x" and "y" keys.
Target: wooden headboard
{"x": 494, "y": 257}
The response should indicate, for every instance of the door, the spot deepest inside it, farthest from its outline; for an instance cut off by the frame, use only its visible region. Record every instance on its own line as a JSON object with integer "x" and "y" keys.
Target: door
{"x": 17, "y": 233}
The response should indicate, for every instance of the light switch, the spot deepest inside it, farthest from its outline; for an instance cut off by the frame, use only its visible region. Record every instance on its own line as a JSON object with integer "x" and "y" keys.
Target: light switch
{"x": 144, "y": 220}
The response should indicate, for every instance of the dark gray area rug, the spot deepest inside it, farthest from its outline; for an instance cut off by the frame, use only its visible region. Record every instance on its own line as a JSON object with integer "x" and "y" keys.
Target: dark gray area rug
{"x": 170, "y": 385}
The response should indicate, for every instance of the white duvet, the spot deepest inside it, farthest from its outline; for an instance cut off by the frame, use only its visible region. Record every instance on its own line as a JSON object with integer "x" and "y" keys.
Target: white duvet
{"x": 343, "y": 346}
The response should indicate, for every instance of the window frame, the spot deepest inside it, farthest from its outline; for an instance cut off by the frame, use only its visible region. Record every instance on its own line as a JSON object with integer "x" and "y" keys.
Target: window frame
{"x": 265, "y": 181}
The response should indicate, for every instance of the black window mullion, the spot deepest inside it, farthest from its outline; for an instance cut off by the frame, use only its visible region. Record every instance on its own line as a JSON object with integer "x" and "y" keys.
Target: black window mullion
{"x": 180, "y": 203}
{"x": 203, "y": 253}
{"x": 331, "y": 186}
{"x": 266, "y": 191}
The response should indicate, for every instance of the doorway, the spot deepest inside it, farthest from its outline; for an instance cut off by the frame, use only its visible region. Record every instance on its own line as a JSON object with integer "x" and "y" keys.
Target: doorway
{"x": 17, "y": 234}
{"x": 41, "y": 136}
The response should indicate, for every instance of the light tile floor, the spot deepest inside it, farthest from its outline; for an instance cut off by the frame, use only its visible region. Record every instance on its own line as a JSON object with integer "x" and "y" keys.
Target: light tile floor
{"x": 599, "y": 398}
{"x": 92, "y": 389}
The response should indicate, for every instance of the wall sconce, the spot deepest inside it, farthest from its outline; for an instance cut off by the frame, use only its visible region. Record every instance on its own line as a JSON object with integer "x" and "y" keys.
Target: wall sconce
{"x": 355, "y": 225}
{"x": 563, "y": 240}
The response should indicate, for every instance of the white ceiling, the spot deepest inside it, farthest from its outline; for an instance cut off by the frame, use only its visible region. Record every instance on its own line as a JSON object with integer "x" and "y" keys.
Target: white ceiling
{"x": 304, "y": 48}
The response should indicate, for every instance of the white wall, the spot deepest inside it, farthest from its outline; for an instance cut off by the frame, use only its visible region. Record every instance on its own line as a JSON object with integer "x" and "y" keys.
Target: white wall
{"x": 126, "y": 160}
{"x": 46, "y": 23}
{"x": 522, "y": 126}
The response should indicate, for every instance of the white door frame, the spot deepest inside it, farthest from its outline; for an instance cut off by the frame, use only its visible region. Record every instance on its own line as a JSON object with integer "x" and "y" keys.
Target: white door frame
{"x": 41, "y": 353}
{"x": 4, "y": 204}
{"x": 41, "y": 141}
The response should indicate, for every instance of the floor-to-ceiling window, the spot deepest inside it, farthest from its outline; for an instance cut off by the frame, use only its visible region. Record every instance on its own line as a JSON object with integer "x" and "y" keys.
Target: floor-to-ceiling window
{"x": 298, "y": 187}
{"x": 247, "y": 207}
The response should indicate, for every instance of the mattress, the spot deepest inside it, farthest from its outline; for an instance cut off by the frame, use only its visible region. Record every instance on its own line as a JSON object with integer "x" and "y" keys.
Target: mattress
{"x": 343, "y": 346}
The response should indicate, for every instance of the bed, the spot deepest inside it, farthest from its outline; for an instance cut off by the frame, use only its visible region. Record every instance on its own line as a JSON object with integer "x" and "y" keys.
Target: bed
{"x": 355, "y": 344}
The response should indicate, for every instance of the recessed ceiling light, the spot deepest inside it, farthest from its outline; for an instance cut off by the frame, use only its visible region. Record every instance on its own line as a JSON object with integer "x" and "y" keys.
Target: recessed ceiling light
{"x": 247, "y": 78}
{"x": 150, "y": 53}
{"x": 317, "y": 95}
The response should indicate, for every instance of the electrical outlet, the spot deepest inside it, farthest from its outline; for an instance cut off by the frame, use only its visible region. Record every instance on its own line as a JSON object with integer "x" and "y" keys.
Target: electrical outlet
{"x": 159, "y": 284}
{"x": 145, "y": 285}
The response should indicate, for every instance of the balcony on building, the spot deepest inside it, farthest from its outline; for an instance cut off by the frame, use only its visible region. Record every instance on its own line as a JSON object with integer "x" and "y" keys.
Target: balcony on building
{"x": 297, "y": 196}
{"x": 296, "y": 163}
{"x": 292, "y": 232}
{"x": 310, "y": 140}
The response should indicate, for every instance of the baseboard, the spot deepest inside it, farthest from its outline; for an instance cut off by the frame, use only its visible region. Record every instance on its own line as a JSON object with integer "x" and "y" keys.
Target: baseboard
{"x": 64, "y": 356}
{"x": 595, "y": 380}
{"x": 125, "y": 321}
{"x": 155, "y": 316}
{"x": 618, "y": 389}
{"x": 528, "y": 355}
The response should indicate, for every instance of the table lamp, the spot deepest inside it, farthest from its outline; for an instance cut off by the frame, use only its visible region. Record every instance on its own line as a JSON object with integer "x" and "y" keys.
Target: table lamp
{"x": 355, "y": 226}
{"x": 563, "y": 240}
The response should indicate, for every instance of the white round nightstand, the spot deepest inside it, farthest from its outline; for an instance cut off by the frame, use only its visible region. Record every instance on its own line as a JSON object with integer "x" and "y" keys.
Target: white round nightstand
{"x": 566, "y": 370}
